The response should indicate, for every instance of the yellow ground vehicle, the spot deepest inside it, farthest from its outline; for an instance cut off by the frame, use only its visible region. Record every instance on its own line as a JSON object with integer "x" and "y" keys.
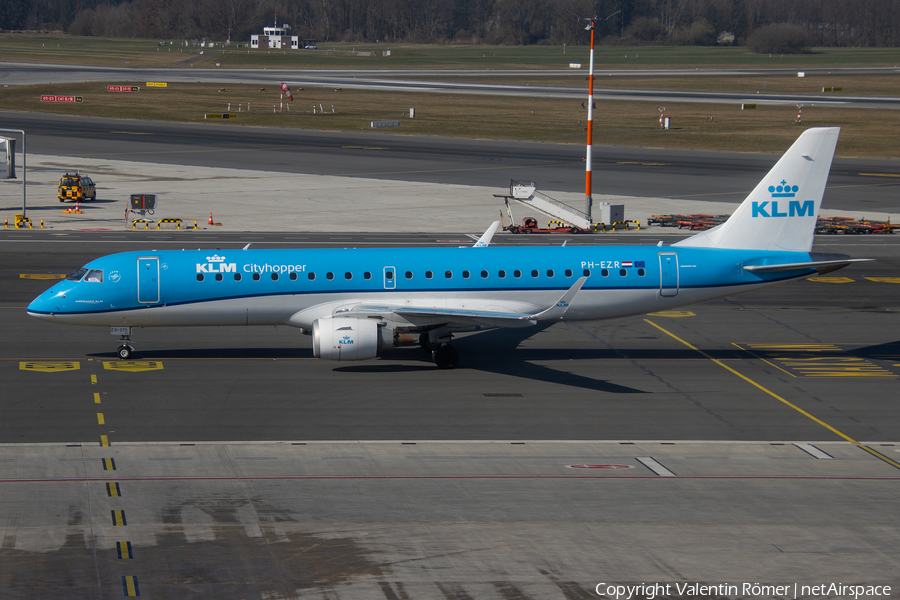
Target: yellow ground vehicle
{"x": 76, "y": 187}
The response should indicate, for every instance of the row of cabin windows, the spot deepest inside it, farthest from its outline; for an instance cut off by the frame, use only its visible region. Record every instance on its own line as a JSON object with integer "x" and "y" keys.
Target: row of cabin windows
{"x": 428, "y": 274}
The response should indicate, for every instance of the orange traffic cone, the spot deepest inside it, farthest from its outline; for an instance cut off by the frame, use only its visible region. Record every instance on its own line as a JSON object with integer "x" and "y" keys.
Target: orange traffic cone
{"x": 210, "y": 220}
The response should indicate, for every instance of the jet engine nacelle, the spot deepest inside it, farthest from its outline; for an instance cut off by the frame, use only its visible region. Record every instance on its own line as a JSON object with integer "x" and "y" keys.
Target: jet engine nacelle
{"x": 350, "y": 339}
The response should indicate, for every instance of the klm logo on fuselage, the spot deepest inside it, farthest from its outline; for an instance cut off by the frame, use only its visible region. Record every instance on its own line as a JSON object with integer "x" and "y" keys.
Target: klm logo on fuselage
{"x": 795, "y": 208}
{"x": 216, "y": 264}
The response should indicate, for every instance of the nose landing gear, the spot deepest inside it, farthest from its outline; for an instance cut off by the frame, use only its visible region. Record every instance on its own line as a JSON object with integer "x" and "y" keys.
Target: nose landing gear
{"x": 126, "y": 349}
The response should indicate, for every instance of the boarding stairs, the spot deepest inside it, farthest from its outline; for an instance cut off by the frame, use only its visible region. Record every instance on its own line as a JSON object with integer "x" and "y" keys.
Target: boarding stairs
{"x": 526, "y": 194}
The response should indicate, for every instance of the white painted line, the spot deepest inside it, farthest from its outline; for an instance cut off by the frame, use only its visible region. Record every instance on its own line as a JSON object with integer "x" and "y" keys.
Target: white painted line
{"x": 654, "y": 466}
{"x": 813, "y": 451}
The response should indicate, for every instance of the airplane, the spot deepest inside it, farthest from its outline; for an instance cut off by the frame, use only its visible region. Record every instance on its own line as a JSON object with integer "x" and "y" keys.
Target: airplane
{"x": 358, "y": 304}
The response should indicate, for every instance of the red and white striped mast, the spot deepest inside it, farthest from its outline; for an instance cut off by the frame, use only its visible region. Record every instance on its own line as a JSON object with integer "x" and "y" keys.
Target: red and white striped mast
{"x": 588, "y": 199}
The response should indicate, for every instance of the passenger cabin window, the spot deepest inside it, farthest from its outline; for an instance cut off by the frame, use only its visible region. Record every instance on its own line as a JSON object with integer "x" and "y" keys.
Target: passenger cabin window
{"x": 94, "y": 275}
{"x": 502, "y": 274}
{"x": 77, "y": 275}
{"x": 623, "y": 272}
{"x": 604, "y": 272}
{"x": 534, "y": 273}
{"x": 587, "y": 272}
{"x": 448, "y": 274}
{"x": 256, "y": 277}
{"x": 568, "y": 272}
{"x": 517, "y": 273}
{"x": 641, "y": 272}
{"x": 367, "y": 275}
{"x": 311, "y": 276}
{"x": 549, "y": 272}
{"x": 388, "y": 275}
{"x": 293, "y": 275}
{"x": 484, "y": 274}
{"x": 409, "y": 274}
{"x": 428, "y": 274}
{"x": 348, "y": 275}
{"x": 329, "y": 276}
{"x": 465, "y": 274}
{"x": 218, "y": 277}
{"x": 237, "y": 276}
{"x": 274, "y": 276}
{"x": 199, "y": 276}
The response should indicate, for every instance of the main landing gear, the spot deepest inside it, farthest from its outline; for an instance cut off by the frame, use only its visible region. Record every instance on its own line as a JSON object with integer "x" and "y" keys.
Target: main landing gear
{"x": 443, "y": 354}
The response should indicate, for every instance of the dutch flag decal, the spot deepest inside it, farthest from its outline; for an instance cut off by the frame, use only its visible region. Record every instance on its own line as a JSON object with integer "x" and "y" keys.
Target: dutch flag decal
{"x": 627, "y": 263}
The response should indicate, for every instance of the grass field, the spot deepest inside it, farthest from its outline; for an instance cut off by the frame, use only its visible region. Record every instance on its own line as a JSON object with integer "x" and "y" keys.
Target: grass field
{"x": 64, "y": 49}
{"x": 711, "y": 126}
{"x": 872, "y": 133}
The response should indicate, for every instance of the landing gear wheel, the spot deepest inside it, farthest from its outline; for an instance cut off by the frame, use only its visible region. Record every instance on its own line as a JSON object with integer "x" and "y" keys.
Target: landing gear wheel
{"x": 425, "y": 342}
{"x": 445, "y": 357}
{"x": 125, "y": 352}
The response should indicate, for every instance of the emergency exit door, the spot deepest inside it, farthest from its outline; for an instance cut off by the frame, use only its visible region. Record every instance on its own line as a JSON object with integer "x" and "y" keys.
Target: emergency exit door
{"x": 668, "y": 274}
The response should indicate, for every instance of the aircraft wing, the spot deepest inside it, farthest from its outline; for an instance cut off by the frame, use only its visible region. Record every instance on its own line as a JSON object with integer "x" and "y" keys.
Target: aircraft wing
{"x": 461, "y": 316}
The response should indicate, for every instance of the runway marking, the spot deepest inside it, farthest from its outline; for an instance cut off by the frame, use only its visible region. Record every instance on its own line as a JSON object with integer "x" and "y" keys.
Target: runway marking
{"x": 104, "y": 441}
{"x": 365, "y": 147}
{"x": 124, "y": 550}
{"x": 96, "y": 397}
{"x": 879, "y": 174}
{"x": 133, "y": 132}
{"x": 884, "y": 279}
{"x": 830, "y": 279}
{"x": 109, "y": 464}
{"x": 42, "y": 275}
{"x": 133, "y": 366}
{"x": 654, "y": 466}
{"x": 49, "y": 367}
{"x": 100, "y": 420}
{"x": 779, "y": 398}
{"x": 812, "y": 450}
{"x": 818, "y": 360}
{"x": 130, "y": 585}
{"x": 118, "y": 518}
{"x": 113, "y": 490}
{"x": 674, "y": 314}
{"x": 93, "y": 380}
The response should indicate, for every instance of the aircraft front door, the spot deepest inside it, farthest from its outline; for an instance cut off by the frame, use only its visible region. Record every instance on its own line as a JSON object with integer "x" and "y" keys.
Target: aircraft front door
{"x": 148, "y": 280}
{"x": 390, "y": 278}
{"x": 668, "y": 274}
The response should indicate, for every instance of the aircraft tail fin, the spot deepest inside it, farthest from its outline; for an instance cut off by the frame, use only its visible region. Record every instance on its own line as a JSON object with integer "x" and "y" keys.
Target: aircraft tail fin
{"x": 781, "y": 212}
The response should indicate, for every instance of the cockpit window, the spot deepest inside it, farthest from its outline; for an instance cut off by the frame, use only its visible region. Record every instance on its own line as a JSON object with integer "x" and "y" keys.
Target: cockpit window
{"x": 95, "y": 275}
{"x": 77, "y": 275}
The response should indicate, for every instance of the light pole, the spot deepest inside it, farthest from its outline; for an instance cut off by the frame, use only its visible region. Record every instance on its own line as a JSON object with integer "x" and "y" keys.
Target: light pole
{"x": 588, "y": 195}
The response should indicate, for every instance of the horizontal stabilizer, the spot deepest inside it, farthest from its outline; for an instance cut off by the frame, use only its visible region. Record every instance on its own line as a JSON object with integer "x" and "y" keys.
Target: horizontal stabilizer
{"x": 822, "y": 266}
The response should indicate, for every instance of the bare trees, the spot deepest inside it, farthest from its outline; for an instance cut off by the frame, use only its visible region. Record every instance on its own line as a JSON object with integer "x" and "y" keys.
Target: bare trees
{"x": 826, "y": 22}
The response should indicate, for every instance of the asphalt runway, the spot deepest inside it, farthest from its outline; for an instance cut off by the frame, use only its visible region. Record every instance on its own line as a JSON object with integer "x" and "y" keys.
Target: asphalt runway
{"x": 416, "y": 81}
{"x": 854, "y": 184}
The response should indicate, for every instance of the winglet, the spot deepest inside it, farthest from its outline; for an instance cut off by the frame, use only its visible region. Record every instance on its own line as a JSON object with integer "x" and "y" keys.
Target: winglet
{"x": 558, "y": 310}
{"x": 485, "y": 239}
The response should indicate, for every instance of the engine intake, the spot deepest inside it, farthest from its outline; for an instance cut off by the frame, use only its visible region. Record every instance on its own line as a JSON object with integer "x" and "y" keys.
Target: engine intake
{"x": 350, "y": 339}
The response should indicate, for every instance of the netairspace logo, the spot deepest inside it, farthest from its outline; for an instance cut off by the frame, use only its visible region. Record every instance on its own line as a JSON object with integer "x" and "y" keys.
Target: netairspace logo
{"x": 748, "y": 590}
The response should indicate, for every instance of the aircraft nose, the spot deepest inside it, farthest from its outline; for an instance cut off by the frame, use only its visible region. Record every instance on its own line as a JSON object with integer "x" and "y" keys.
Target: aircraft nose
{"x": 45, "y": 305}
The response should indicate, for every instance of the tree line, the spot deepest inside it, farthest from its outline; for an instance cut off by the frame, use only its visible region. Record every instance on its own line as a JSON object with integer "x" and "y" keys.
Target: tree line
{"x": 521, "y": 22}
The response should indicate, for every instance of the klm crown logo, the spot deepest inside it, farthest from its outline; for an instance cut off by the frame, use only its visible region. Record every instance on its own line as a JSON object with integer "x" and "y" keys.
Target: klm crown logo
{"x": 346, "y": 341}
{"x": 784, "y": 190}
{"x": 215, "y": 258}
